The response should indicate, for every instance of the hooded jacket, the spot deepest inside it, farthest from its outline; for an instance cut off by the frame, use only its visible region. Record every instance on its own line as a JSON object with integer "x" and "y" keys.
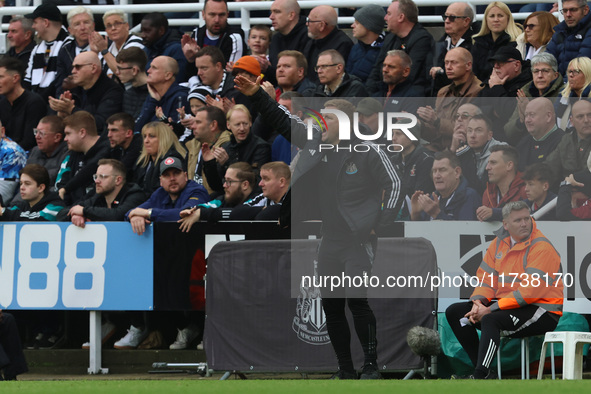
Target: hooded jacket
{"x": 490, "y": 198}
{"x": 363, "y": 57}
{"x": 508, "y": 274}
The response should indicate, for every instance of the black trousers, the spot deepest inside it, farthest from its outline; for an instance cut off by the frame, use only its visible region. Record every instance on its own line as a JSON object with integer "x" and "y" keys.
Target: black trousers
{"x": 343, "y": 257}
{"x": 517, "y": 323}
{"x": 12, "y": 359}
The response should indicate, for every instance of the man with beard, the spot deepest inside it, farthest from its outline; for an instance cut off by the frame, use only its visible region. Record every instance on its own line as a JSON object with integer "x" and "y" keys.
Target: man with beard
{"x": 239, "y": 184}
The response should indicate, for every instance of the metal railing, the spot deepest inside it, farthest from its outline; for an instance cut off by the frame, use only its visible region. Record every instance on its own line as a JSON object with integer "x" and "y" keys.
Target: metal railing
{"x": 245, "y": 21}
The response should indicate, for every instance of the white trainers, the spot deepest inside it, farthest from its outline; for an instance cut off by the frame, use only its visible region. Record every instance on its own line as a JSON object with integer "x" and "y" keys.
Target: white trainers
{"x": 107, "y": 331}
{"x": 132, "y": 339}
{"x": 184, "y": 338}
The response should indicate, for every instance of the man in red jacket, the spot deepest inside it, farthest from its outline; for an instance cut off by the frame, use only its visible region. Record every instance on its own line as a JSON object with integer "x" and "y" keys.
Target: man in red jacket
{"x": 521, "y": 271}
{"x": 504, "y": 183}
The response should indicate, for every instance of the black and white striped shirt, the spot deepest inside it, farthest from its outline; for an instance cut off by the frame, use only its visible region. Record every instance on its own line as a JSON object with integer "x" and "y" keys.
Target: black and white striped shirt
{"x": 42, "y": 68}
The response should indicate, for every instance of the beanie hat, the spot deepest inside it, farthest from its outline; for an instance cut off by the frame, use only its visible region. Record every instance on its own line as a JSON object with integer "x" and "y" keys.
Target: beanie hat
{"x": 371, "y": 17}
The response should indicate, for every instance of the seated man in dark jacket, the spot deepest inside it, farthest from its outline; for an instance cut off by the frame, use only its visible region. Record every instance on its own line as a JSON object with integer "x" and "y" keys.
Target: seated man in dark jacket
{"x": 334, "y": 81}
{"x": 37, "y": 201}
{"x": 113, "y": 198}
{"x": 243, "y": 146}
{"x": 574, "y": 197}
{"x": 239, "y": 187}
{"x": 452, "y": 200}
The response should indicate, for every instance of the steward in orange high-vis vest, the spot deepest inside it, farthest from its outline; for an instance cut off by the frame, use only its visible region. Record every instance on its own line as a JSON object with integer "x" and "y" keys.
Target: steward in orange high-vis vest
{"x": 521, "y": 271}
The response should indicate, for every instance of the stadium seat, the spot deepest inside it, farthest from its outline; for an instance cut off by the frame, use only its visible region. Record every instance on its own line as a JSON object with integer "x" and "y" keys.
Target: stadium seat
{"x": 572, "y": 353}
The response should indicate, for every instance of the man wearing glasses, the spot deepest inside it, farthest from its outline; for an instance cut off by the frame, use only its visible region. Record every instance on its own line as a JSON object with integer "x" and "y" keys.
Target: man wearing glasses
{"x": 101, "y": 96}
{"x": 114, "y": 196}
{"x": 51, "y": 148}
{"x": 334, "y": 81}
{"x": 324, "y": 35}
{"x": 457, "y": 20}
{"x": 572, "y": 37}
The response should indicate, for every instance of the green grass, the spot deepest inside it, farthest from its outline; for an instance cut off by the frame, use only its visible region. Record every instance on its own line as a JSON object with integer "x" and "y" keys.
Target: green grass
{"x": 296, "y": 386}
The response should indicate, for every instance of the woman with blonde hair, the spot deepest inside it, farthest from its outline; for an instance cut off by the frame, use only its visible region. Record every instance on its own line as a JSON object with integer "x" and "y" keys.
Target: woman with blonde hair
{"x": 498, "y": 30}
{"x": 577, "y": 87}
{"x": 160, "y": 142}
{"x": 539, "y": 28}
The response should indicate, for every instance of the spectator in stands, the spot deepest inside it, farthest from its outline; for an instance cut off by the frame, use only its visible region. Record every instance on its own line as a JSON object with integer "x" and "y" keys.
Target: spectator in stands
{"x": 324, "y": 34}
{"x": 462, "y": 117}
{"x": 239, "y": 187}
{"x": 275, "y": 181}
{"x": 37, "y": 201}
{"x": 125, "y": 144}
{"x": 538, "y": 178}
{"x": 162, "y": 41}
{"x": 291, "y": 32}
{"x": 159, "y": 143}
{"x": 572, "y": 37}
{"x": 42, "y": 69}
{"x": 259, "y": 39}
{"x": 504, "y": 183}
{"x": 475, "y": 155}
{"x": 370, "y": 110}
{"x": 164, "y": 92}
{"x": 437, "y": 125}
{"x": 80, "y": 26}
{"x": 334, "y": 81}
{"x": 12, "y": 159}
{"x": 216, "y": 32}
{"x": 12, "y": 358}
{"x": 20, "y": 109}
{"x": 547, "y": 82}
{"x": 539, "y": 28}
{"x": 573, "y": 150}
{"x": 86, "y": 148}
{"x": 101, "y": 96}
{"x": 175, "y": 194}
{"x": 498, "y": 30}
{"x": 113, "y": 196}
{"x": 521, "y": 308}
{"x": 209, "y": 130}
{"x": 396, "y": 69}
{"x": 118, "y": 38}
{"x": 414, "y": 164}
{"x": 281, "y": 148}
{"x": 242, "y": 147}
{"x": 131, "y": 66}
{"x": 20, "y": 37}
{"x": 211, "y": 73}
{"x": 544, "y": 135}
{"x": 574, "y": 196}
{"x": 51, "y": 149}
{"x": 458, "y": 19}
{"x": 452, "y": 200}
{"x": 407, "y": 35}
{"x": 577, "y": 88}
{"x": 292, "y": 68}
{"x": 368, "y": 29}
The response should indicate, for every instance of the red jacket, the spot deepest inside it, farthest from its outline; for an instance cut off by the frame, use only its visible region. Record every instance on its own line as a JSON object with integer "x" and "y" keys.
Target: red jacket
{"x": 516, "y": 193}
{"x": 526, "y": 274}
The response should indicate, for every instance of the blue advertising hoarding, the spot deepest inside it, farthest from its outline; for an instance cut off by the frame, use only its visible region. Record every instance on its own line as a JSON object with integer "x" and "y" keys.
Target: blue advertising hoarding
{"x": 104, "y": 266}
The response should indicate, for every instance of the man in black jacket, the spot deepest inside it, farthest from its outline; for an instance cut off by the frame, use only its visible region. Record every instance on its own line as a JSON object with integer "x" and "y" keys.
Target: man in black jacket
{"x": 357, "y": 194}
{"x": 114, "y": 197}
{"x": 290, "y": 28}
{"x": 86, "y": 148}
{"x": 12, "y": 358}
{"x": 334, "y": 81}
{"x": 101, "y": 97}
{"x": 407, "y": 35}
{"x": 324, "y": 34}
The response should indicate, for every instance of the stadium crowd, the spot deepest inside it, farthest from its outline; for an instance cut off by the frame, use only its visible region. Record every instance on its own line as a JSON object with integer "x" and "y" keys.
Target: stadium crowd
{"x": 153, "y": 128}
